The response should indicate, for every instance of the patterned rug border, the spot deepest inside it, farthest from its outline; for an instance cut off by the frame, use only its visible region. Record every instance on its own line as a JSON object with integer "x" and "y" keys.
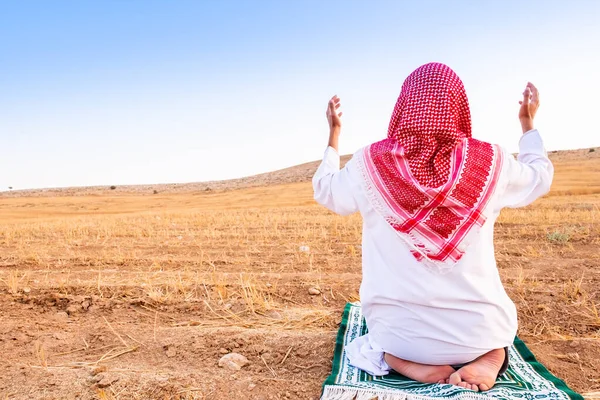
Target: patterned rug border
{"x": 330, "y": 388}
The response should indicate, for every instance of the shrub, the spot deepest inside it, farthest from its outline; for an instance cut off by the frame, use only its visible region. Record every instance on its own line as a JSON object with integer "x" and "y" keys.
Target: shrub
{"x": 558, "y": 237}
{"x": 113, "y": 187}
{"x": 592, "y": 150}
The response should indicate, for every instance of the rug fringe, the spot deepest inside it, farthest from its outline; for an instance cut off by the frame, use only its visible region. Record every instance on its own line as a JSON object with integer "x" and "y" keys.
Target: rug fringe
{"x": 346, "y": 393}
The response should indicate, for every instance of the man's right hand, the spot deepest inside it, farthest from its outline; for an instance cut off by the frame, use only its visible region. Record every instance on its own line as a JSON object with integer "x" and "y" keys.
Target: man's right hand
{"x": 529, "y": 106}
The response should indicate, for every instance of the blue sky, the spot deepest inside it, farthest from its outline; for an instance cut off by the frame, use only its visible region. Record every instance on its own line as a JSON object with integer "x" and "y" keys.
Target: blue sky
{"x": 139, "y": 91}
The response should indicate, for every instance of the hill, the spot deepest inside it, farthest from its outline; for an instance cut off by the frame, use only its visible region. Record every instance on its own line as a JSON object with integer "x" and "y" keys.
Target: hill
{"x": 295, "y": 174}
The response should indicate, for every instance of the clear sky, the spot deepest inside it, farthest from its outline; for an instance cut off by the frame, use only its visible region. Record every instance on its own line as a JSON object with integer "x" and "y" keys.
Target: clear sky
{"x": 139, "y": 91}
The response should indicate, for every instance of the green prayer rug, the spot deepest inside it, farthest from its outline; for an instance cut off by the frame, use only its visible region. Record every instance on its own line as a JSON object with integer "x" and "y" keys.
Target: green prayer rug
{"x": 525, "y": 379}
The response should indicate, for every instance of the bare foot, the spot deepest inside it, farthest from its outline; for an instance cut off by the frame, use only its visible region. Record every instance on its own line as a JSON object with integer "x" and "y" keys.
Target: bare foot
{"x": 419, "y": 372}
{"x": 481, "y": 374}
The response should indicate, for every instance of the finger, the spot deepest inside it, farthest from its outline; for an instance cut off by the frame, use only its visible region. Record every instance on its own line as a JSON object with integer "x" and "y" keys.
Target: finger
{"x": 338, "y": 105}
{"x": 526, "y": 96}
{"x": 535, "y": 97}
{"x": 340, "y": 114}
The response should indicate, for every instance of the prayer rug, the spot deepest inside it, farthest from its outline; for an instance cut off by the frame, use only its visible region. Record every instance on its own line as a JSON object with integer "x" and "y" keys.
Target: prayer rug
{"x": 525, "y": 379}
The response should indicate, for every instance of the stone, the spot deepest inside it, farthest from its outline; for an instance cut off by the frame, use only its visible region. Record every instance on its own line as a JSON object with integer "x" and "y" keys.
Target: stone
{"x": 98, "y": 369}
{"x": 107, "y": 381}
{"x": 274, "y": 314}
{"x": 233, "y": 361}
{"x": 171, "y": 352}
{"x": 313, "y": 291}
{"x": 73, "y": 308}
{"x": 61, "y": 315}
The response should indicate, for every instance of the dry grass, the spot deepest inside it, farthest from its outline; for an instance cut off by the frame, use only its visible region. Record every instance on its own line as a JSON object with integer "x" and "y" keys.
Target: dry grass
{"x": 245, "y": 259}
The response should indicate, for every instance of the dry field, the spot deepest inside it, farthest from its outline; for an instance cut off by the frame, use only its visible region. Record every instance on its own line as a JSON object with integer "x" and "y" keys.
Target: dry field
{"x": 126, "y": 294}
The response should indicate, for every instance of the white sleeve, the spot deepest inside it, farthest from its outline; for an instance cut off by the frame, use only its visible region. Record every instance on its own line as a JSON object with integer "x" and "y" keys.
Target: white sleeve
{"x": 530, "y": 175}
{"x": 332, "y": 186}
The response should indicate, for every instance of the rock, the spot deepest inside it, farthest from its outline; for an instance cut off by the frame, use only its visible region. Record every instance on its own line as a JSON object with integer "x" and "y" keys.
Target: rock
{"x": 223, "y": 350}
{"x": 274, "y": 314}
{"x": 313, "y": 291}
{"x": 304, "y": 249}
{"x": 61, "y": 315}
{"x": 171, "y": 352}
{"x": 251, "y": 386}
{"x": 97, "y": 370}
{"x": 26, "y": 290}
{"x": 73, "y": 308}
{"x": 107, "y": 381}
{"x": 95, "y": 378}
{"x": 233, "y": 361}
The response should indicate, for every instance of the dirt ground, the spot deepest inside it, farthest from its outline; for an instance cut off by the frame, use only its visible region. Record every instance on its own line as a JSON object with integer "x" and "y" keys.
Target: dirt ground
{"x": 130, "y": 295}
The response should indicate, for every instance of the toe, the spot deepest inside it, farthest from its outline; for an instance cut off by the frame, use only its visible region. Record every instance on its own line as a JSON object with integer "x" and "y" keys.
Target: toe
{"x": 454, "y": 379}
{"x": 483, "y": 387}
{"x": 475, "y": 388}
{"x": 464, "y": 385}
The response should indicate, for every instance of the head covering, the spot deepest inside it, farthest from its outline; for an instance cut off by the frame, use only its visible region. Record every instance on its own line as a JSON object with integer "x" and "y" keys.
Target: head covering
{"x": 430, "y": 179}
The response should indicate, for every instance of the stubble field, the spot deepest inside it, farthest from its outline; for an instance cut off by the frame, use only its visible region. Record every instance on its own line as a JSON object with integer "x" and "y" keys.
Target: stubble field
{"x": 133, "y": 295}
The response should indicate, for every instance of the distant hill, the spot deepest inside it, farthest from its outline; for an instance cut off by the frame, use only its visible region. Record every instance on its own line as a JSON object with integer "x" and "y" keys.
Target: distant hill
{"x": 298, "y": 173}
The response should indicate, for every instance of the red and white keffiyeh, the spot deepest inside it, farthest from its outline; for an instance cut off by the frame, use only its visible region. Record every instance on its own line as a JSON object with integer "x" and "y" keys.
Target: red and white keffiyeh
{"x": 430, "y": 179}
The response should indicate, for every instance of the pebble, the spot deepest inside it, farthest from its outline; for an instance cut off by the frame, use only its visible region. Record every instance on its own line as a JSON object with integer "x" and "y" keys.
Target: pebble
{"x": 233, "y": 361}
{"x": 97, "y": 370}
{"x": 61, "y": 315}
{"x": 73, "y": 308}
{"x": 107, "y": 381}
{"x": 274, "y": 314}
{"x": 171, "y": 352}
{"x": 313, "y": 291}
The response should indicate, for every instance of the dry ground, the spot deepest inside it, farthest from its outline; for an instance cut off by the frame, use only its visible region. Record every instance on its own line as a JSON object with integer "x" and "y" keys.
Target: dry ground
{"x": 129, "y": 295}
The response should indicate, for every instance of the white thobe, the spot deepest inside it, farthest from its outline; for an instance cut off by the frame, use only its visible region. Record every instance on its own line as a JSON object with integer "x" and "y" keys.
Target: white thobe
{"x": 412, "y": 312}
